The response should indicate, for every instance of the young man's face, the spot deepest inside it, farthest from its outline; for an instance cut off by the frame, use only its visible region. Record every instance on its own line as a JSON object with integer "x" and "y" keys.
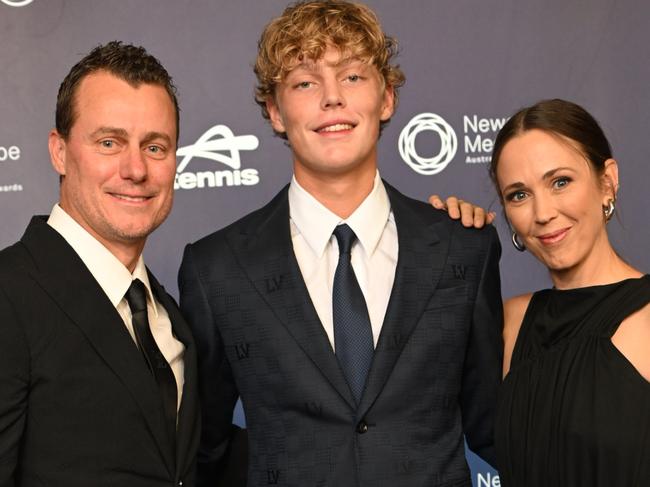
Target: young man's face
{"x": 330, "y": 110}
{"x": 118, "y": 161}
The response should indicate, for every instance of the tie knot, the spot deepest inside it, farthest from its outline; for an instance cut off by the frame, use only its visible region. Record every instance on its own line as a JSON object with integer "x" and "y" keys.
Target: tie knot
{"x": 136, "y": 296}
{"x": 345, "y": 237}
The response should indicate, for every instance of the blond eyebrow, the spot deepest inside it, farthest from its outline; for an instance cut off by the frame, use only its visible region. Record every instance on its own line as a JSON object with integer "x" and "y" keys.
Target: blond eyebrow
{"x": 347, "y": 60}
{"x": 310, "y": 65}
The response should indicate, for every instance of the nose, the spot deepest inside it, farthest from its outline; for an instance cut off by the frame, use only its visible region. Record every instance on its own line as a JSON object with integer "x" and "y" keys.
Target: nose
{"x": 332, "y": 95}
{"x": 545, "y": 210}
{"x": 134, "y": 166}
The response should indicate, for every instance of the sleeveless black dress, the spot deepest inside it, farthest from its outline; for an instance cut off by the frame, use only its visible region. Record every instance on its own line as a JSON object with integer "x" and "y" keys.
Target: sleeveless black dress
{"x": 573, "y": 411}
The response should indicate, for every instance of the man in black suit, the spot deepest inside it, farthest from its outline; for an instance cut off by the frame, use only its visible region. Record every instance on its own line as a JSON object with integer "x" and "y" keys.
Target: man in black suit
{"x": 360, "y": 327}
{"x": 98, "y": 379}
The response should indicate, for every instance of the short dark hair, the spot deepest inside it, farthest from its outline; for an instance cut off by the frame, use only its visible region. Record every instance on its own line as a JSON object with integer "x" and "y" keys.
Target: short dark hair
{"x": 558, "y": 117}
{"x": 130, "y": 63}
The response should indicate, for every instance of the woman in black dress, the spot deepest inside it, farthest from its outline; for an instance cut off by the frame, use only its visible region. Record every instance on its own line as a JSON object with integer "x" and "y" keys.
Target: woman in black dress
{"x": 575, "y": 403}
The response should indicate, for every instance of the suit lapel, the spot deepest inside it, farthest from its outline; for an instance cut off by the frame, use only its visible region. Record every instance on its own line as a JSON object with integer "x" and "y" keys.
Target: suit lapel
{"x": 63, "y": 275}
{"x": 421, "y": 258}
{"x": 265, "y": 252}
{"x": 188, "y": 413}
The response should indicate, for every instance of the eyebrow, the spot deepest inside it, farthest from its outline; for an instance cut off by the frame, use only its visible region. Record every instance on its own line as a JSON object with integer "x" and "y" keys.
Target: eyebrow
{"x": 310, "y": 65}
{"x": 150, "y": 136}
{"x": 109, "y": 131}
{"x": 547, "y": 175}
{"x": 120, "y": 132}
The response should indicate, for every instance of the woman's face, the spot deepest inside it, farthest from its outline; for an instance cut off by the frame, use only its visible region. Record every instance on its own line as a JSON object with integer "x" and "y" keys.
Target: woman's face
{"x": 554, "y": 199}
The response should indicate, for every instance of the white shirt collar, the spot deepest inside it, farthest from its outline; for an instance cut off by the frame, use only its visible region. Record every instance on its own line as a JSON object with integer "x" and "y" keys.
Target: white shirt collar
{"x": 111, "y": 275}
{"x": 316, "y": 223}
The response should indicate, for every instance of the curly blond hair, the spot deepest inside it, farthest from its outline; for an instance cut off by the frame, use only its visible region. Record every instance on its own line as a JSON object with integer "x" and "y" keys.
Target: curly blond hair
{"x": 305, "y": 30}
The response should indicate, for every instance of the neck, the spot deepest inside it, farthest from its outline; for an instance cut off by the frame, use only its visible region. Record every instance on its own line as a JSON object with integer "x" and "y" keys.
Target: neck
{"x": 126, "y": 250}
{"x": 341, "y": 194}
{"x": 126, "y": 254}
{"x": 602, "y": 266}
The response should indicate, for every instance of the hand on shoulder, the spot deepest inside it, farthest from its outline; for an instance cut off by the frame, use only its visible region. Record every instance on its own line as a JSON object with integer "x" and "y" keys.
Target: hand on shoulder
{"x": 469, "y": 214}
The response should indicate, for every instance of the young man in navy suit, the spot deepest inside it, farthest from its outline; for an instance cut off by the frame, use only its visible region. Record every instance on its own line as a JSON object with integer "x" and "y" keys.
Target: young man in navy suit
{"x": 360, "y": 327}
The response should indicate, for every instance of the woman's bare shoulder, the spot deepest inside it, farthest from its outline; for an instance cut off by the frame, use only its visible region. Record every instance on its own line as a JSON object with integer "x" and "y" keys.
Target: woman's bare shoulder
{"x": 514, "y": 310}
{"x": 632, "y": 338}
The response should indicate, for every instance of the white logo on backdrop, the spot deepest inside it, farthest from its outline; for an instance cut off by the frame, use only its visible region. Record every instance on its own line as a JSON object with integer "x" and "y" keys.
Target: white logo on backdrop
{"x": 217, "y": 144}
{"x": 9, "y": 153}
{"x": 448, "y": 143}
{"x": 16, "y": 3}
{"x": 208, "y": 147}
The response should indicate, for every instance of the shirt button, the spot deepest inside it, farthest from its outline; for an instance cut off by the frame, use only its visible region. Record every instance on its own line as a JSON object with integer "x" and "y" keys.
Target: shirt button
{"x": 362, "y": 427}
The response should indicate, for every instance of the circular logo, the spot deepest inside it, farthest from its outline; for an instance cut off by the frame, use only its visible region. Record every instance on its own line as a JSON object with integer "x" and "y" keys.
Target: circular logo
{"x": 16, "y": 3}
{"x": 448, "y": 143}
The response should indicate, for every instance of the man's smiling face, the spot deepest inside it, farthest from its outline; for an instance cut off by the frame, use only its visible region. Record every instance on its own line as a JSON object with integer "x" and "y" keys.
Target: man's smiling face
{"x": 118, "y": 161}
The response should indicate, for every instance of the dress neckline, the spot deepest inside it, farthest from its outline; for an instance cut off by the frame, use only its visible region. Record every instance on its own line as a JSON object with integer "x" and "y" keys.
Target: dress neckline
{"x": 596, "y": 287}
{"x": 555, "y": 315}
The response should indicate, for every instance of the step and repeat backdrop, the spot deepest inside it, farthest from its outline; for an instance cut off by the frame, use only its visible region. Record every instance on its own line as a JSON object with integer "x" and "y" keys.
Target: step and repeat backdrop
{"x": 469, "y": 65}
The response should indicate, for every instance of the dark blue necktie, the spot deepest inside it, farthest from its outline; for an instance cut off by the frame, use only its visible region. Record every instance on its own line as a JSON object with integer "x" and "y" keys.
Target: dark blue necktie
{"x": 156, "y": 362}
{"x": 352, "y": 330}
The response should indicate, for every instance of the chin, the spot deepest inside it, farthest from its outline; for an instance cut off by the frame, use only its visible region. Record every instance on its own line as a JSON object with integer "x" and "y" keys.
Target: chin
{"x": 133, "y": 233}
{"x": 560, "y": 266}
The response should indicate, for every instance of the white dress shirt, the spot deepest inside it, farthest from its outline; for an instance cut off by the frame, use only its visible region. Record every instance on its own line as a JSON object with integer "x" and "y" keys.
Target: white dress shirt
{"x": 374, "y": 254}
{"x": 115, "y": 279}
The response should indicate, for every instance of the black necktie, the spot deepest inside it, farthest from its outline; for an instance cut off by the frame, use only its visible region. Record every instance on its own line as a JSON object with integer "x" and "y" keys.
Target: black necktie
{"x": 136, "y": 297}
{"x": 352, "y": 330}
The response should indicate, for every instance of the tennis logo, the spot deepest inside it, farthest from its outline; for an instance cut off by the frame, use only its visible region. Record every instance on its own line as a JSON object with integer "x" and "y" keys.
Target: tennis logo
{"x": 448, "y": 144}
{"x": 16, "y": 3}
{"x": 218, "y": 144}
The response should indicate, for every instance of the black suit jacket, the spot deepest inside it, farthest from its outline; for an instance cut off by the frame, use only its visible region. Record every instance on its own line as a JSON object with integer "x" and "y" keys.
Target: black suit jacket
{"x": 435, "y": 371}
{"x": 78, "y": 407}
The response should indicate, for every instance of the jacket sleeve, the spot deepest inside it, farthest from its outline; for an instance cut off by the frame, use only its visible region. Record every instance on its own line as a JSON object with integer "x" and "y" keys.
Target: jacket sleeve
{"x": 484, "y": 356}
{"x": 14, "y": 388}
{"x": 217, "y": 389}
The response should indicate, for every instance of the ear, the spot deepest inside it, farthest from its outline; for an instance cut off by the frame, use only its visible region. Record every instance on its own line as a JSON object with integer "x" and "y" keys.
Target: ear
{"x": 57, "y": 147}
{"x": 388, "y": 103}
{"x": 609, "y": 181}
{"x": 274, "y": 115}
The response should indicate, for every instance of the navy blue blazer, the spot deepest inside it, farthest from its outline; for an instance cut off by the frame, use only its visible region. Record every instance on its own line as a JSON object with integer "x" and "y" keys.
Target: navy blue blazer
{"x": 435, "y": 372}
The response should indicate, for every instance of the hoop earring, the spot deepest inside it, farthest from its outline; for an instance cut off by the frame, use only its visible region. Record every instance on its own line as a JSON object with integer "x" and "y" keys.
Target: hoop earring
{"x": 608, "y": 210}
{"x": 518, "y": 244}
